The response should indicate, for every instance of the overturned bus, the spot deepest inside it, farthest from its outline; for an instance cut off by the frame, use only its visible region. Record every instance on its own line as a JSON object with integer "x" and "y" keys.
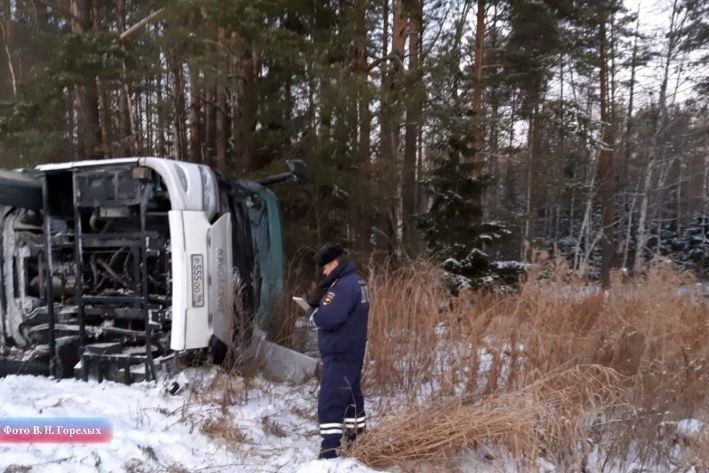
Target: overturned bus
{"x": 112, "y": 267}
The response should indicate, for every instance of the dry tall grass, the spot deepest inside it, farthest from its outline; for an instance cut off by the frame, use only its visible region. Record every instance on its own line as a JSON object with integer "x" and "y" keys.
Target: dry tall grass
{"x": 483, "y": 350}
{"x": 544, "y": 417}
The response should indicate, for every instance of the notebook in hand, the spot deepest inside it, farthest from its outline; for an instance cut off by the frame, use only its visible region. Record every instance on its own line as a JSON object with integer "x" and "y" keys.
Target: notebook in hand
{"x": 302, "y": 303}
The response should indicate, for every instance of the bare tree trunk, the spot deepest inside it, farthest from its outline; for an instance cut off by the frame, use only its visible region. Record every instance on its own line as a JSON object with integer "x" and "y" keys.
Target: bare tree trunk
{"x": 658, "y": 209}
{"x": 611, "y": 85}
{"x": 245, "y": 106}
{"x": 671, "y": 45}
{"x": 361, "y": 69}
{"x": 478, "y": 136}
{"x": 89, "y": 134}
{"x": 209, "y": 121}
{"x": 6, "y": 31}
{"x": 624, "y": 178}
{"x": 584, "y": 231}
{"x": 678, "y": 195}
{"x": 641, "y": 236}
{"x": 125, "y": 116}
{"x": 385, "y": 151}
{"x": 533, "y": 134}
{"x": 139, "y": 129}
{"x": 413, "y": 119}
{"x": 628, "y": 233}
{"x": 631, "y": 98}
{"x": 705, "y": 192}
{"x": 195, "y": 115}
{"x": 605, "y": 168}
{"x": 390, "y": 116}
{"x": 221, "y": 116}
{"x": 389, "y": 129}
{"x": 493, "y": 194}
{"x": 106, "y": 127}
{"x": 179, "y": 101}
{"x": 104, "y": 102}
{"x": 161, "y": 141}
{"x": 509, "y": 191}
{"x": 221, "y": 135}
{"x": 153, "y": 142}
{"x": 559, "y": 170}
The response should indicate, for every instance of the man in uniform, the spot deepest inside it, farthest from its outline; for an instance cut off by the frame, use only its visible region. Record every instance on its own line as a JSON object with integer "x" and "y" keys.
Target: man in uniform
{"x": 341, "y": 303}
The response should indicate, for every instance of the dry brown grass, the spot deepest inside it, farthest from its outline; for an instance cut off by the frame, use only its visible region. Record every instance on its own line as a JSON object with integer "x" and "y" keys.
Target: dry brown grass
{"x": 225, "y": 391}
{"x": 272, "y": 427}
{"x": 281, "y": 327}
{"x": 698, "y": 452}
{"x": 223, "y": 431}
{"x": 470, "y": 356}
{"x": 207, "y": 407}
{"x": 547, "y": 414}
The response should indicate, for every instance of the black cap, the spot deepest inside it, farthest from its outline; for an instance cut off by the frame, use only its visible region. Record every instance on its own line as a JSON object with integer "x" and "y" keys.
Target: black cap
{"x": 327, "y": 253}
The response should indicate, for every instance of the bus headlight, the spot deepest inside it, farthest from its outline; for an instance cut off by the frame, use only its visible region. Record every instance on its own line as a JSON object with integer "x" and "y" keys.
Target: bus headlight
{"x": 209, "y": 192}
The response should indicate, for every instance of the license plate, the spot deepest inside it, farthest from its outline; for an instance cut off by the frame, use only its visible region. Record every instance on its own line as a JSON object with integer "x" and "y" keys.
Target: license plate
{"x": 197, "y": 277}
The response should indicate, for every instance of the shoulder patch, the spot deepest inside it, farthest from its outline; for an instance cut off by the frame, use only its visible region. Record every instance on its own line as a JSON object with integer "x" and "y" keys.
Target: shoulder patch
{"x": 329, "y": 297}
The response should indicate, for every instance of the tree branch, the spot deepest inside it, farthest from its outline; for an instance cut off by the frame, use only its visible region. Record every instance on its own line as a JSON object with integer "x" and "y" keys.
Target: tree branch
{"x": 127, "y": 34}
{"x": 10, "y": 66}
{"x": 390, "y": 57}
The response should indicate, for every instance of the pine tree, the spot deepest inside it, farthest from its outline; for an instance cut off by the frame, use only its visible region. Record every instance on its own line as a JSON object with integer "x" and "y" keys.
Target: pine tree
{"x": 452, "y": 227}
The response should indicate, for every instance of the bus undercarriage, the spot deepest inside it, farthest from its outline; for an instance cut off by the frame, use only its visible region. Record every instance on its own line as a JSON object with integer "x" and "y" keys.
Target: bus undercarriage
{"x": 111, "y": 269}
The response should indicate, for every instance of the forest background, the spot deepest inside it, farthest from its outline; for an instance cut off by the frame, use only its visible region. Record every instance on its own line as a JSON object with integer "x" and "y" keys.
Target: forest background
{"x": 473, "y": 130}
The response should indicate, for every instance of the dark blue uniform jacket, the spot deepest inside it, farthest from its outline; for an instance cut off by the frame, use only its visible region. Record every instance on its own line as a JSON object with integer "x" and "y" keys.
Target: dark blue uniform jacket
{"x": 342, "y": 315}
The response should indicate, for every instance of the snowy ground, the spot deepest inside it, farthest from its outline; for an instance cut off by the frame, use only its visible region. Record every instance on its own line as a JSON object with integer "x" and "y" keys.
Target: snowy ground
{"x": 215, "y": 423}
{"x": 264, "y": 427}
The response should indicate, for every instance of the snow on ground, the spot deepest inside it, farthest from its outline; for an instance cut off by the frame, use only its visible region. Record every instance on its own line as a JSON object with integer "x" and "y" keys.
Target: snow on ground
{"x": 215, "y": 423}
{"x": 234, "y": 426}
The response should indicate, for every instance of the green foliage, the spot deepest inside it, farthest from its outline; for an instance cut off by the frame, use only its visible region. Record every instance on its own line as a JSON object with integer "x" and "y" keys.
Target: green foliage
{"x": 82, "y": 57}
{"x": 694, "y": 37}
{"x": 33, "y": 123}
{"x": 294, "y": 86}
{"x": 532, "y": 46}
{"x": 449, "y": 227}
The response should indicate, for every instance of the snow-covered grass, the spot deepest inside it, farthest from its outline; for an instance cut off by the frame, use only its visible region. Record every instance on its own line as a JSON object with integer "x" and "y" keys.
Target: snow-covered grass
{"x": 253, "y": 425}
{"x": 223, "y": 423}
{"x": 426, "y": 348}
{"x": 217, "y": 423}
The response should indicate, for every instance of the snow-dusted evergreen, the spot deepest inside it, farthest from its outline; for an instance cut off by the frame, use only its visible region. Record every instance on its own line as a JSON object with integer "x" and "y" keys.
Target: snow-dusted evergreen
{"x": 453, "y": 228}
